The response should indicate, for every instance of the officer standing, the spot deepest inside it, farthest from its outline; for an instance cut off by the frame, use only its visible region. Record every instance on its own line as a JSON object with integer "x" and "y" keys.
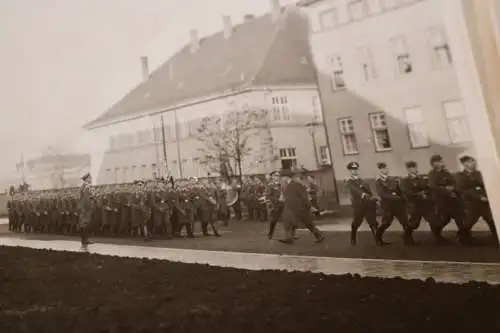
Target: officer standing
{"x": 364, "y": 204}
{"x": 86, "y": 208}
{"x": 448, "y": 203}
{"x": 392, "y": 203}
{"x": 419, "y": 201}
{"x": 470, "y": 185}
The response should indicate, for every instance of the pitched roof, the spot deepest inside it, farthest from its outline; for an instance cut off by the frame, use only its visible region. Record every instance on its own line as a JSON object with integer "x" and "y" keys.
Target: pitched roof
{"x": 261, "y": 51}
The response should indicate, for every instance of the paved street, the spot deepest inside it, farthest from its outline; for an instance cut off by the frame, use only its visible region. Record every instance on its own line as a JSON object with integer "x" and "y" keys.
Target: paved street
{"x": 251, "y": 237}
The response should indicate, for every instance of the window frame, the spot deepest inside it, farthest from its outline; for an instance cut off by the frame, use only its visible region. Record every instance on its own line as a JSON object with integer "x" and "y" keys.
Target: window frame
{"x": 343, "y": 135}
{"x": 399, "y": 56}
{"x": 281, "y": 108}
{"x": 366, "y": 58}
{"x": 463, "y": 117}
{"x": 324, "y": 150}
{"x": 436, "y": 47}
{"x": 364, "y": 7}
{"x": 374, "y": 130}
{"x": 331, "y": 11}
{"x": 409, "y": 130}
{"x": 337, "y": 70}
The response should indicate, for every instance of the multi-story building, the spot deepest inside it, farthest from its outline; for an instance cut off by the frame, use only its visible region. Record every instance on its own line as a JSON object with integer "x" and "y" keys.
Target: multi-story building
{"x": 387, "y": 83}
{"x": 263, "y": 63}
{"x": 53, "y": 171}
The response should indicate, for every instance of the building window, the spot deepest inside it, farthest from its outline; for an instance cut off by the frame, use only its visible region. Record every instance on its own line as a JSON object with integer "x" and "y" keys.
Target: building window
{"x": 416, "y": 127}
{"x": 441, "y": 53}
{"x": 348, "y": 137}
{"x": 144, "y": 137}
{"x": 324, "y": 155}
{"x": 337, "y": 72}
{"x": 116, "y": 176}
{"x": 317, "y": 113}
{"x": 401, "y": 55}
{"x": 329, "y": 19}
{"x": 281, "y": 111}
{"x": 144, "y": 171}
{"x": 380, "y": 132}
{"x": 288, "y": 158}
{"x": 389, "y": 4}
{"x": 357, "y": 9}
{"x": 367, "y": 63}
{"x": 134, "y": 173}
{"x": 157, "y": 134}
{"x": 125, "y": 175}
{"x": 456, "y": 119}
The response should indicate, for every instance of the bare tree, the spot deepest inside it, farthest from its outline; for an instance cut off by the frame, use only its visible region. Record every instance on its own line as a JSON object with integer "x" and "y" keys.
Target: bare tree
{"x": 229, "y": 139}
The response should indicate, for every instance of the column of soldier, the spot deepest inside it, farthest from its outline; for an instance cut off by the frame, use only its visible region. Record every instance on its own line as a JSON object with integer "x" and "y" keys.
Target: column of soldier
{"x": 437, "y": 198}
{"x": 141, "y": 209}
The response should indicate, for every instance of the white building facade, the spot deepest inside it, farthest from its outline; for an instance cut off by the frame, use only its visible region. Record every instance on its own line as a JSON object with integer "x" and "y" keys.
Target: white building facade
{"x": 388, "y": 84}
{"x": 134, "y": 145}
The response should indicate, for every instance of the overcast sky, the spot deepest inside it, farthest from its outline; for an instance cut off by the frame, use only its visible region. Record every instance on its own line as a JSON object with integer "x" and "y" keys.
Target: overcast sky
{"x": 62, "y": 62}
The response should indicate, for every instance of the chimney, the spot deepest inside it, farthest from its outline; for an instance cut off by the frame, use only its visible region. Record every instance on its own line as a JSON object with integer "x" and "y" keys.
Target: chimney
{"x": 275, "y": 9}
{"x": 228, "y": 26}
{"x": 195, "y": 41}
{"x": 145, "y": 68}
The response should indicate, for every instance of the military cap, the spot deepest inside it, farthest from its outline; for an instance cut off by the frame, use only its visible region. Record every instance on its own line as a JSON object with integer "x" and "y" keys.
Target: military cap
{"x": 275, "y": 172}
{"x": 86, "y": 176}
{"x": 436, "y": 158}
{"x": 381, "y": 165}
{"x": 466, "y": 158}
{"x": 411, "y": 164}
{"x": 353, "y": 166}
{"x": 286, "y": 173}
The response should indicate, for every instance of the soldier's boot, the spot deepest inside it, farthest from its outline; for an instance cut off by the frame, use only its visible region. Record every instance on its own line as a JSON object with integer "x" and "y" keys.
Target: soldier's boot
{"x": 204, "y": 228}
{"x": 408, "y": 238}
{"x": 465, "y": 238}
{"x": 379, "y": 236}
{"x": 147, "y": 236}
{"x": 214, "y": 229}
{"x": 354, "y": 232}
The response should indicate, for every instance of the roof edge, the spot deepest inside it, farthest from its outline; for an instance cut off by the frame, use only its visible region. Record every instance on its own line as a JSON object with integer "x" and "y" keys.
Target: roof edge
{"x": 307, "y": 3}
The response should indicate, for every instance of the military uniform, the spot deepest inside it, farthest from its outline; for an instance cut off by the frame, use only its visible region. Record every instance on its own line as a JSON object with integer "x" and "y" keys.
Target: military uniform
{"x": 393, "y": 205}
{"x": 86, "y": 209}
{"x": 419, "y": 201}
{"x": 297, "y": 209}
{"x": 470, "y": 185}
{"x": 448, "y": 203}
{"x": 364, "y": 204}
{"x": 275, "y": 203}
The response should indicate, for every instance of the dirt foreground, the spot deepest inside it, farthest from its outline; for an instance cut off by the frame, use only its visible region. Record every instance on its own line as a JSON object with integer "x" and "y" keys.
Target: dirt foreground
{"x": 62, "y": 292}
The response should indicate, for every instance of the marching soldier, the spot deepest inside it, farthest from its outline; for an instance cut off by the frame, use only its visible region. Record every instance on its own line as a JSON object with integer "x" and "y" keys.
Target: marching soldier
{"x": 297, "y": 208}
{"x": 312, "y": 190}
{"x": 86, "y": 208}
{"x": 448, "y": 203}
{"x": 393, "y": 205}
{"x": 419, "y": 201}
{"x": 207, "y": 194}
{"x": 364, "y": 204}
{"x": 275, "y": 202}
{"x": 471, "y": 187}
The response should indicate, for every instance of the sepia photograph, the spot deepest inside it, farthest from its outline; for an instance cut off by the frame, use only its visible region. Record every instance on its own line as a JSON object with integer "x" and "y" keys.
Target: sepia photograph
{"x": 253, "y": 166}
